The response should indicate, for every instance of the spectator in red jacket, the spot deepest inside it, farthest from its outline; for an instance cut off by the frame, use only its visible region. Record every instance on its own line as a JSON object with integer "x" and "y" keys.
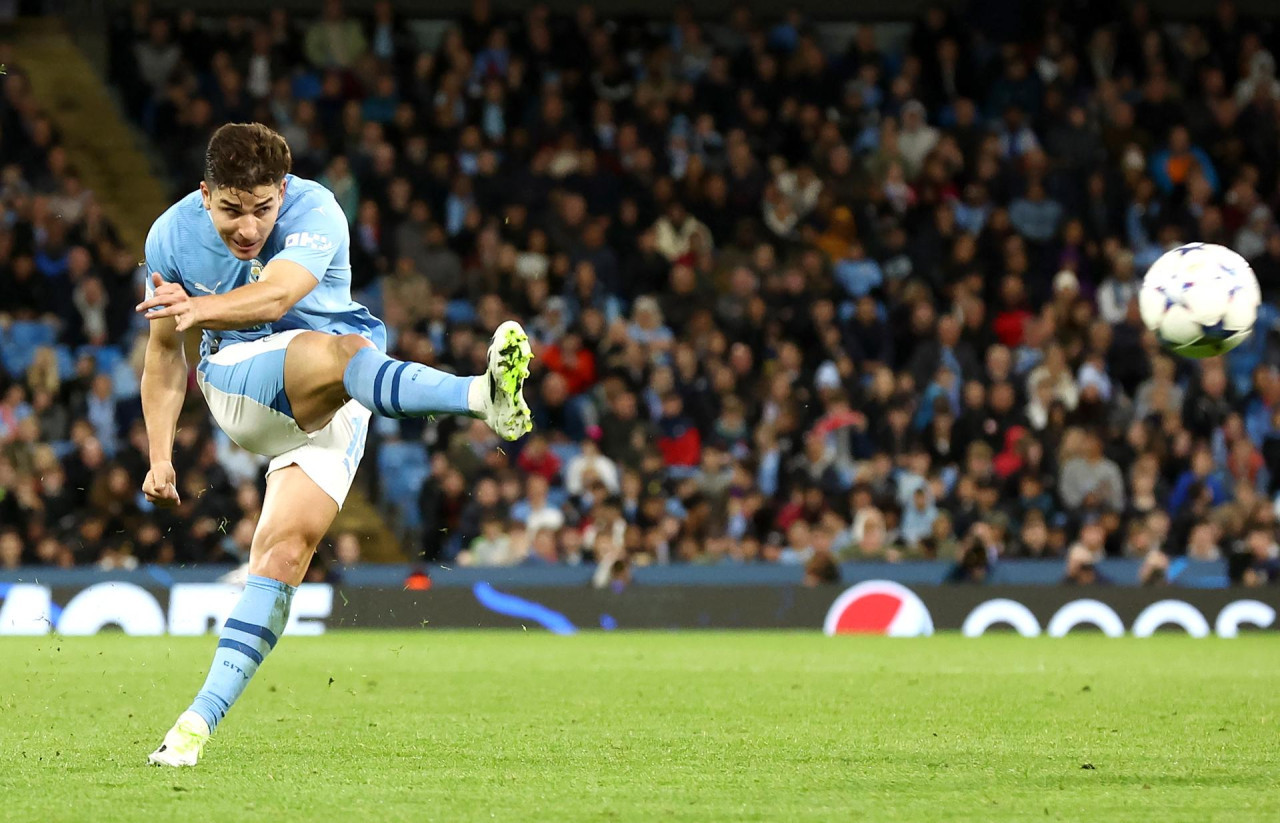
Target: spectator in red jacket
{"x": 537, "y": 458}
{"x": 572, "y": 361}
{"x": 678, "y": 439}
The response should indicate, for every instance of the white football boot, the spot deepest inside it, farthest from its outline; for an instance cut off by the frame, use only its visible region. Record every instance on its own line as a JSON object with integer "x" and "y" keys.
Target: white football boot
{"x": 503, "y": 406}
{"x": 184, "y": 742}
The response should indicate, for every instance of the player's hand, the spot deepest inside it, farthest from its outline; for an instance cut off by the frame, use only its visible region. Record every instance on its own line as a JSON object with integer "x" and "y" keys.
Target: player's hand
{"x": 169, "y": 300}
{"x": 161, "y": 485}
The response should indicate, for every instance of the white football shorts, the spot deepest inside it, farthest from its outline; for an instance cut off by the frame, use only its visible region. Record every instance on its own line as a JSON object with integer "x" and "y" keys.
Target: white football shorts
{"x": 243, "y": 384}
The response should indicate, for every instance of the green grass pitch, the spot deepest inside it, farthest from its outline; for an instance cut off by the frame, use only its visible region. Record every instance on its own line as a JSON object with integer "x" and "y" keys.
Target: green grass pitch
{"x": 524, "y": 726}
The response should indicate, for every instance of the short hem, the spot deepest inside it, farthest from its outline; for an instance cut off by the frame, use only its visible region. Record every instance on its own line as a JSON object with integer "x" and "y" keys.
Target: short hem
{"x": 284, "y": 462}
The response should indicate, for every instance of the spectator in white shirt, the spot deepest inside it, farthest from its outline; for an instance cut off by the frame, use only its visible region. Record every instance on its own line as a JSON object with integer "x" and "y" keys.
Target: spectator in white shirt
{"x": 917, "y": 137}
{"x": 679, "y": 233}
{"x": 588, "y": 463}
{"x": 536, "y": 510}
{"x": 1117, "y": 290}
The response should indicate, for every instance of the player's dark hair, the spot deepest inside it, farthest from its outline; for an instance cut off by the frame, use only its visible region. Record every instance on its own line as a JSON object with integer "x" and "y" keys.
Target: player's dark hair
{"x": 243, "y": 156}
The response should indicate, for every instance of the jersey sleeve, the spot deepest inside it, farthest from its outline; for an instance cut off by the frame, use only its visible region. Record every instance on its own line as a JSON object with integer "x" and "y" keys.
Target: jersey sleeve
{"x": 159, "y": 257}
{"x": 316, "y": 237}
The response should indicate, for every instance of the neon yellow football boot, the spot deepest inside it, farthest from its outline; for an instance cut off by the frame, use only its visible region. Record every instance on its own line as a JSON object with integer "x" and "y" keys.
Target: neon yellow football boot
{"x": 184, "y": 742}
{"x": 505, "y": 410}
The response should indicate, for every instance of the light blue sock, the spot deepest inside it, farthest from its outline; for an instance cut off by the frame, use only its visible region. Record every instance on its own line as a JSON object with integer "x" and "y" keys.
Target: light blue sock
{"x": 249, "y": 635}
{"x": 394, "y": 388}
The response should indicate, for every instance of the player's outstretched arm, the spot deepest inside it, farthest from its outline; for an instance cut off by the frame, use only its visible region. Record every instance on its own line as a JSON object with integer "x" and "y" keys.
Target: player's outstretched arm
{"x": 283, "y": 283}
{"x": 164, "y": 387}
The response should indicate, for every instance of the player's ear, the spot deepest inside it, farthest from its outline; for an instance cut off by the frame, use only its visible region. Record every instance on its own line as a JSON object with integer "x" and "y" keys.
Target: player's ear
{"x": 283, "y": 183}
{"x": 206, "y": 195}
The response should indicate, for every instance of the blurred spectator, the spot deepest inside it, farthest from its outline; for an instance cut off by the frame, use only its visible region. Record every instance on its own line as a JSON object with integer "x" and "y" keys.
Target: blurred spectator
{"x": 974, "y": 560}
{"x": 821, "y": 570}
{"x": 589, "y": 467}
{"x": 346, "y": 550}
{"x": 1082, "y": 568}
{"x": 1155, "y": 569}
{"x": 1257, "y": 561}
{"x": 1089, "y": 479}
{"x": 1173, "y": 166}
{"x": 334, "y": 41}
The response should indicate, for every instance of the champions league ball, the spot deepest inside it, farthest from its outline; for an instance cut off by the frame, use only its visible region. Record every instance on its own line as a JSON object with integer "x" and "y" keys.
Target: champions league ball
{"x": 1201, "y": 300}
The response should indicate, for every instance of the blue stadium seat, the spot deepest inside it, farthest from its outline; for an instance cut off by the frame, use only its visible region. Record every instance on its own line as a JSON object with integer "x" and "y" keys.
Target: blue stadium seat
{"x": 62, "y": 449}
{"x": 306, "y": 85}
{"x": 106, "y": 357}
{"x": 15, "y": 360}
{"x": 125, "y": 384}
{"x": 403, "y": 468}
{"x": 19, "y": 343}
{"x": 30, "y": 334}
{"x": 461, "y": 312}
{"x": 66, "y": 362}
{"x": 385, "y": 426}
{"x": 1248, "y": 355}
{"x": 566, "y": 452}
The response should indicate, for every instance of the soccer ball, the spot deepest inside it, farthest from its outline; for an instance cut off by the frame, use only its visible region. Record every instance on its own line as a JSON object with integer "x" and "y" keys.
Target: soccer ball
{"x": 1200, "y": 299}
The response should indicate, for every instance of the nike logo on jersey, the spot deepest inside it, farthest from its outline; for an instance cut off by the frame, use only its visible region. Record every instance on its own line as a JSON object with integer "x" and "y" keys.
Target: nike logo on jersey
{"x": 202, "y": 287}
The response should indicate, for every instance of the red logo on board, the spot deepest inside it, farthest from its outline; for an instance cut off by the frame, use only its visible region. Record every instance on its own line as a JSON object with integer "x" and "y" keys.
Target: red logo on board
{"x": 879, "y": 607}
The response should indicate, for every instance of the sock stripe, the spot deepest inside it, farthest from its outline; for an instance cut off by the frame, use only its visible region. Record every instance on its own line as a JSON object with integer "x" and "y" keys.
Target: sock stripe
{"x": 377, "y": 388}
{"x": 419, "y": 392}
{"x": 248, "y": 628}
{"x": 245, "y": 649}
{"x": 246, "y": 638}
{"x": 395, "y": 389}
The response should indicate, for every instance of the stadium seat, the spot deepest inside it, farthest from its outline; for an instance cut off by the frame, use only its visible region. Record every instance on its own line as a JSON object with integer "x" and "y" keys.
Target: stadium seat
{"x": 557, "y": 496}
{"x": 16, "y": 360}
{"x": 62, "y": 449}
{"x": 19, "y": 343}
{"x": 566, "y": 452}
{"x": 66, "y": 362}
{"x": 106, "y": 357}
{"x": 30, "y": 334}
{"x": 461, "y": 312}
{"x": 385, "y": 426}
{"x": 305, "y": 85}
{"x": 125, "y": 383}
{"x": 403, "y": 467}
{"x": 1251, "y": 353}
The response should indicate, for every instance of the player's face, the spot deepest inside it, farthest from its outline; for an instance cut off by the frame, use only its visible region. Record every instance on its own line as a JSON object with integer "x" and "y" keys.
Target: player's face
{"x": 244, "y": 219}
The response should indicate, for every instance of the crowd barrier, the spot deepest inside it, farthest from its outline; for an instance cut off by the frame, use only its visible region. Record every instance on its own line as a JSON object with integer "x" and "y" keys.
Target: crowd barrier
{"x": 876, "y": 606}
{"x": 1118, "y": 572}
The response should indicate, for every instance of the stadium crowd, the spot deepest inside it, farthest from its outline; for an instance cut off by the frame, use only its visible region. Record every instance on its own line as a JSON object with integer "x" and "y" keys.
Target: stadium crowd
{"x": 796, "y": 298}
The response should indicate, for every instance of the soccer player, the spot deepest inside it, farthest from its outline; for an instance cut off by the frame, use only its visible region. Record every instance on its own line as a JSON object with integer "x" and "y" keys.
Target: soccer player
{"x": 291, "y": 368}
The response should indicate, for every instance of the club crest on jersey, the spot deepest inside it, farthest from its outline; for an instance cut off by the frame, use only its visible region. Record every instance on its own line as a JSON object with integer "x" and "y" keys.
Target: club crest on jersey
{"x": 255, "y": 270}
{"x": 311, "y": 240}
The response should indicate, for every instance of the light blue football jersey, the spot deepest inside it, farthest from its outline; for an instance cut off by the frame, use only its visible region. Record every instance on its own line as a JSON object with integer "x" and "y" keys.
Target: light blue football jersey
{"x": 311, "y": 230}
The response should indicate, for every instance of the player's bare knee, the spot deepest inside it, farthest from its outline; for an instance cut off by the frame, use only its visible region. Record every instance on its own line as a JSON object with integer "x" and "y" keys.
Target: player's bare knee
{"x": 281, "y": 556}
{"x": 347, "y": 346}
